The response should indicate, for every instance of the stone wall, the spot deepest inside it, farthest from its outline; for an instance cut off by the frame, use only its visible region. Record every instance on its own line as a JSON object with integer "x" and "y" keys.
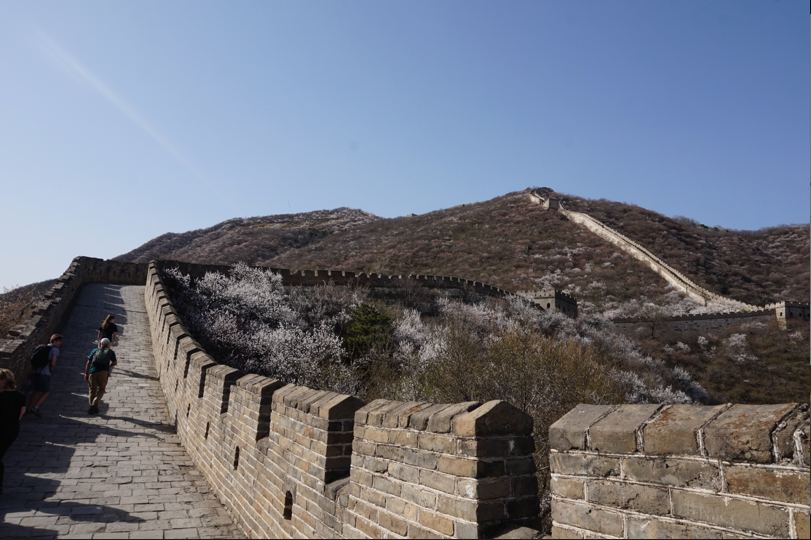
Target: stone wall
{"x": 689, "y": 326}
{"x": 681, "y": 471}
{"x": 47, "y": 317}
{"x": 290, "y": 461}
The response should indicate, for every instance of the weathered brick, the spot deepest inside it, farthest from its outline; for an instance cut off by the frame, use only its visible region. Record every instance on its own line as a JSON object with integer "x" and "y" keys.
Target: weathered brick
{"x": 406, "y": 438}
{"x": 438, "y": 481}
{"x": 494, "y": 418}
{"x": 802, "y": 524}
{"x": 523, "y": 508}
{"x": 774, "y": 484}
{"x": 404, "y": 472}
{"x": 674, "y": 430}
{"x": 584, "y": 464}
{"x": 519, "y": 466}
{"x": 743, "y": 432}
{"x": 486, "y": 489}
{"x": 470, "y": 468}
{"x": 729, "y": 512}
{"x": 588, "y": 517}
{"x": 653, "y": 528}
{"x": 391, "y": 419}
{"x": 674, "y": 472}
{"x": 569, "y": 433}
{"x": 372, "y": 530}
{"x": 421, "y": 459}
{"x": 415, "y": 531}
{"x": 375, "y": 417}
{"x": 459, "y": 508}
{"x": 361, "y": 414}
{"x": 421, "y": 497}
{"x": 393, "y": 523}
{"x": 560, "y": 532}
{"x": 436, "y": 522}
{"x": 419, "y": 420}
{"x": 784, "y": 434}
{"x": 440, "y": 422}
{"x": 644, "y": 499}
{"x": 567, "y": 488}
{"x": 436, "y": 443}
{"x": 385, "y": 485}
{"x": 617, "y": 431}
{"x": 394, "y": 453}
{"x": 377, "y": 435}
{"x": 402, "y": 508}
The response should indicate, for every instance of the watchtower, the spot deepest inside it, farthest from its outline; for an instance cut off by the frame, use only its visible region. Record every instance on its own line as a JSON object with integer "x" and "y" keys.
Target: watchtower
{"x": 553, "y": 300}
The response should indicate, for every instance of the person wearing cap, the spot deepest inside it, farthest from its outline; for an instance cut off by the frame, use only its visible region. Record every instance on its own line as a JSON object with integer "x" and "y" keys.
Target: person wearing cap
{"x": 97, "y": 372}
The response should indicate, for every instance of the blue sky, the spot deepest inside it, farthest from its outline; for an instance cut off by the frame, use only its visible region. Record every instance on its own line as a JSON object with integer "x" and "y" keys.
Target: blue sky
{"x": 120, "y": 121}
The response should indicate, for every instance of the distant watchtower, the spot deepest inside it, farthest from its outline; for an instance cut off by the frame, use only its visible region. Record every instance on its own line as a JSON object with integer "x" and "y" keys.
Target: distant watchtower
{"x": 547, "y": 202}
{"x": 552, "y": 300}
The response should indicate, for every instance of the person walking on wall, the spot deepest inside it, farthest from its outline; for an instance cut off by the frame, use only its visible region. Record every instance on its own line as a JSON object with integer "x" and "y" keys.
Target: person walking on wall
{"x": 97, "y": 373}
{"x": 108, "y": 330}
{"x": 41, "y": 377}
{"x": 12, "y": 408}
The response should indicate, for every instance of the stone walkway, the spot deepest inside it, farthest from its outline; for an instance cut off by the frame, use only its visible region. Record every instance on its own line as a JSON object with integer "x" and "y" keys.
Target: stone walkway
{"x": 120, "y": 474}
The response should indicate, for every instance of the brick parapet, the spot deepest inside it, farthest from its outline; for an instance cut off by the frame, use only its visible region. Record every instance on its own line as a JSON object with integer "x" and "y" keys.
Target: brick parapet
{"x": 635, "y": 471}
{"x": 287, "y": 461}
{"x": 48, "y": 316}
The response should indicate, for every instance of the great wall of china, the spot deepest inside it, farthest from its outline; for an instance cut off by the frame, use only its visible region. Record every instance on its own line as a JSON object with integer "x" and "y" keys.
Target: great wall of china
{"x": 289, "y": 461}
{"x": 779, "y": 311}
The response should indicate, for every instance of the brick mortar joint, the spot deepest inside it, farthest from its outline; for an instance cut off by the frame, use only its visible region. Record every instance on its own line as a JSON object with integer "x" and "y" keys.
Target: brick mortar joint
{"x": 671, "y": 488}
{"x": 654, "y": 517}
{"x": 684, "y": 457}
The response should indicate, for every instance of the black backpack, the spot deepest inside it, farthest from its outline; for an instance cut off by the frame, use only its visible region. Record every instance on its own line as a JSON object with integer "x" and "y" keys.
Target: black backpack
{"x": 39, "y": 358}
{"x": 102, "y": 357}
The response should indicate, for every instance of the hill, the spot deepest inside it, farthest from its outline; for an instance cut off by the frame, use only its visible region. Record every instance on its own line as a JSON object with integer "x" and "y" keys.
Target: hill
{"x": 252, "y": 240}
{"x": 510, "y": 243}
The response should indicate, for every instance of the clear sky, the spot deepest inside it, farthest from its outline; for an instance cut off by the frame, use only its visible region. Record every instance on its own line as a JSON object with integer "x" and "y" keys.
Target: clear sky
{"x": 120, "y": 121}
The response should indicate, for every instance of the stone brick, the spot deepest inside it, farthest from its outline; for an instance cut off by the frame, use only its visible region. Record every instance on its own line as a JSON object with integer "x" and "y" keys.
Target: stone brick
{"x": 653, "y": 528}
{"x": 674, "y": 472}
{"x": 375, "y": 417}
{"x": 775, "y": 484}
{"x": 674, "y": 431}
{"x": 560, "y": 532}
{"x": 469, "y": 467}
{"x": 617, "y": 431}
{"x": 392, "y": 418}
{"x": 402, "y": 508}
{"x": 436, "y": 522}
{"x": 517, "y": 467}
{"x": 459, "y": 508}
{"x": 436, "y": 442}
{"x": 394, "y": 453}
{"x": 385, "y": 485}
{"x": 361, "y": 414}
{"x": 419, "y": 420}
{"x": 584, "y": 465}
{"x": 644, "y": 499}
{"x": 404, "y": 472}
{"x": 743, "y": 432}
{"x": 567, "y": 488}
{"x": 420, "y": 497}
{"x": 587, "y": 517}
{"x": 438, "y": 481}
{"x": 402, "y": 437}
{"x": 569, "y": 433}
{"x": 441, "y": 421}
{"x": 486, "y": 489}
{"x": 733, "y": 513}
{"x": 784, "y": 434}
{"x": 421, "y": 459}
{"x": 393, "y": 523}
{"x": 494, "y": 418}
{"x": 415, "y": 531}
{"x": 802, "y": 524}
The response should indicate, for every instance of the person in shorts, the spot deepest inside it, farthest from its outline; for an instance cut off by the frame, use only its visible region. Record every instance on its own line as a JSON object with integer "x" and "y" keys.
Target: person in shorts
{"x": 41, "y": 377}
{"x": 108, "y": 330}
{"x": 97, "y": 372}
{"x": 12, "y": 408}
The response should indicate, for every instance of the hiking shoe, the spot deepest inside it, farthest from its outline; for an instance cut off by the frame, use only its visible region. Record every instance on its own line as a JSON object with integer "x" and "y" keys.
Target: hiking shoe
{"x": 94, "y": 409}
{"x": 36, "y": 412}
{"x": 90, "y": 410}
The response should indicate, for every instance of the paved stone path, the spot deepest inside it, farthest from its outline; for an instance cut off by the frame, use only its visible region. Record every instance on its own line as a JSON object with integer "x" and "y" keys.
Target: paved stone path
{"x": 120, "y": 474}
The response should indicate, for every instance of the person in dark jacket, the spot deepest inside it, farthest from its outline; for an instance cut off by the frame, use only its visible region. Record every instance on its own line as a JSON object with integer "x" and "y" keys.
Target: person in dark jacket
{"x": 108, "y": 330}
{"x": 12, "y": 408}
{"x": 97, "y": 372}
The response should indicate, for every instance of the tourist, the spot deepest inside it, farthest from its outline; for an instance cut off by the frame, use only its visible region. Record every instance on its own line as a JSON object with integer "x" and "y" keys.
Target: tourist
{"x": 108, "y": 330}
{"x": 97, "y": 372}
{"x": 12, "y": 408}
{"x": 41, "y": 377}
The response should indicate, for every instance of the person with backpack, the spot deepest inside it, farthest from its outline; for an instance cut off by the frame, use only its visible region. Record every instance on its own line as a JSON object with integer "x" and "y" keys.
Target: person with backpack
{"x": 43, "y": 361}
{"x": 97, "y": 372}
{"x": 12, "y": 408}
{"x": 108, "y": 330}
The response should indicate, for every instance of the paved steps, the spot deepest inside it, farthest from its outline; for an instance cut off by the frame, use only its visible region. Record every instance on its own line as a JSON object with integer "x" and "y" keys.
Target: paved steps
{"x": 120, "y": 474}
